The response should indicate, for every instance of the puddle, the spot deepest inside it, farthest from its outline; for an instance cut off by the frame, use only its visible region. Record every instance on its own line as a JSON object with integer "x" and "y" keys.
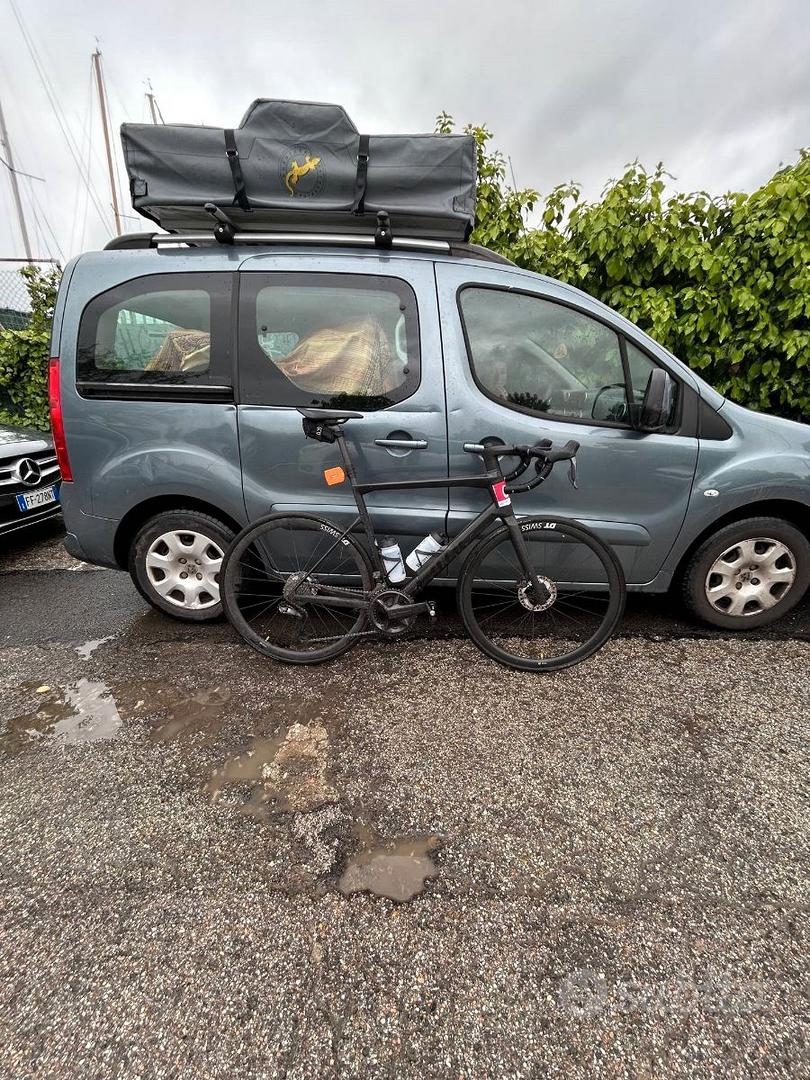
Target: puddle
{"x": 88, "y": 711}
{"x": 86, "y": 650}
{"x": 289, "y": 770}
{"x": 81, "y": 713}
{"x": 203, "y": 711}
{"x": 396, "y": 869}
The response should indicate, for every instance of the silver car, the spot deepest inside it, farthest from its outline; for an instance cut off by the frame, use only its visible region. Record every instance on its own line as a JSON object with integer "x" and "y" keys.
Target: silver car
{"x": 29, "y": 479}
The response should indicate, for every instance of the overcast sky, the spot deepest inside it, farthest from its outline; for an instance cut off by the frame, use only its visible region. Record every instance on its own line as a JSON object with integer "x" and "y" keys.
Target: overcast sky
{"x": 719, "y": 91}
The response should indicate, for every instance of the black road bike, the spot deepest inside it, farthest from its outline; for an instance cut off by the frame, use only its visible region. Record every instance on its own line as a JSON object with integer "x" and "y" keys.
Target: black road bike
{"x": 535, "y": 593}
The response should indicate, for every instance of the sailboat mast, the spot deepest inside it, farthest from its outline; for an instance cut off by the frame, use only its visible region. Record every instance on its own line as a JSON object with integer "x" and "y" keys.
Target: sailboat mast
{"x": 5, "y": 143}
{"x": 154, "y": 108}
{"x": 105, "y": 123}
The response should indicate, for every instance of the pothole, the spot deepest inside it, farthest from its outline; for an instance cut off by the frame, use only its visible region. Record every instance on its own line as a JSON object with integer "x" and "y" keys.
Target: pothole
{"x": 395, "y": 869}
{"x": 290, "y": 771}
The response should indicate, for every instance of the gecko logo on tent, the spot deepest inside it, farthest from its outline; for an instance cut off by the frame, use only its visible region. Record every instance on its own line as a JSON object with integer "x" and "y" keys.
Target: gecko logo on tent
{"x": 301, "y": 171}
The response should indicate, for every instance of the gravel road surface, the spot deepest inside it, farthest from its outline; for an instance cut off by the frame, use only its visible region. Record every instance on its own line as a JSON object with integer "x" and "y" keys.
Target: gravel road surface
{"x": 601, "y": 873}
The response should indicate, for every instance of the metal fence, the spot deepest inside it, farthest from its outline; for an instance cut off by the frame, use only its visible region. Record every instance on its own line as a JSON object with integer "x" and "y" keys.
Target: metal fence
{"x": 15, "y": 306}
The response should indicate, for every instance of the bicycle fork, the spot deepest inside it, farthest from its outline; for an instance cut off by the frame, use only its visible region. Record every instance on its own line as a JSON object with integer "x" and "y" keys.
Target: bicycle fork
{"x": 522, "y": 551}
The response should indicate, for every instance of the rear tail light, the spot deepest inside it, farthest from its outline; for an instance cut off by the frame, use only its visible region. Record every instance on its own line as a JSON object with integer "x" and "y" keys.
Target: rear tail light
{"x": 57, "y": 424}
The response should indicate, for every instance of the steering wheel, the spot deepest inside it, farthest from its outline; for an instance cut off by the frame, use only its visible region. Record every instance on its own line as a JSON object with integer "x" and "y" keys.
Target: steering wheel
{"x": 614, "y": 413}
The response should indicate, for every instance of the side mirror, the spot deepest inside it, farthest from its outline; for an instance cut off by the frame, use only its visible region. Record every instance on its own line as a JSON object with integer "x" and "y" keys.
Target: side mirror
{"x": 653, "y": 415}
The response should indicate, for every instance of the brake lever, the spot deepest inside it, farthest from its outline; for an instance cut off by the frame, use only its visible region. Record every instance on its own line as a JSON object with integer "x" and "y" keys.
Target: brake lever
{"x": 572, "y": 472}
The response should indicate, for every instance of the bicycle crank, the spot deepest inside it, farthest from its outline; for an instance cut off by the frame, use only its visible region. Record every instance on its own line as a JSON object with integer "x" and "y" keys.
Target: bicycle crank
{"x": 392, "y": 612}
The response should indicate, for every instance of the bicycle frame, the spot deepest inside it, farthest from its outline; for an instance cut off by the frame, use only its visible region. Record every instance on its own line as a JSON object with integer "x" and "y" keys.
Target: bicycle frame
{"x": 500, "y": 509}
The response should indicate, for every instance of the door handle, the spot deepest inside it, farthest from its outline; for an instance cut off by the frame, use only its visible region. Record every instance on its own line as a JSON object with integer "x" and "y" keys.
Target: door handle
{"x": 402, "y": 444}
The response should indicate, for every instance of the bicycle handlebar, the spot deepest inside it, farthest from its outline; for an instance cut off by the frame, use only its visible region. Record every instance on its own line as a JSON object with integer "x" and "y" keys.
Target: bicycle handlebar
{"x": 544, "y": 453}
{"x": 544, "y": 449}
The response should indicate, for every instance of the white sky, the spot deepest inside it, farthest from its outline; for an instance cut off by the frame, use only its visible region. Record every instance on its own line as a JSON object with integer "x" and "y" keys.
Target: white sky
{"x": 719, "y": 90}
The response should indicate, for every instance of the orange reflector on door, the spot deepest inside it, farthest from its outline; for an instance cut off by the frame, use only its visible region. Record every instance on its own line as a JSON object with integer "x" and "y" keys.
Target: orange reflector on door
{"x": 334, "y": 476}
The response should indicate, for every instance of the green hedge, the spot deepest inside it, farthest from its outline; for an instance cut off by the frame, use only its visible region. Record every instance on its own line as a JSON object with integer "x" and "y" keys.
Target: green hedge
{"x": 723, "y": 282}
{"x": 24, "y": 356}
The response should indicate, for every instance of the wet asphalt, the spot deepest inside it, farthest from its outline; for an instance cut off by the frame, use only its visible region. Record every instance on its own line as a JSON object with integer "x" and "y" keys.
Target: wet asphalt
{"x": 603, "y": 873}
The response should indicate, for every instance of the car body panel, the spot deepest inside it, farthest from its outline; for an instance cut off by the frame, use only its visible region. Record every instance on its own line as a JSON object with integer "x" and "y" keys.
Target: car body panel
{"x": 283, "y": 470}
{"x": 123, "y": 452}
{"x": 766, "y": 459}
{"x": 633, "y": 488}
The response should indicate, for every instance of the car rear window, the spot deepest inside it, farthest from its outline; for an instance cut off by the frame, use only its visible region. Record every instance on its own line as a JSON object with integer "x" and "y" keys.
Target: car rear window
{"x": 163, "y": 328}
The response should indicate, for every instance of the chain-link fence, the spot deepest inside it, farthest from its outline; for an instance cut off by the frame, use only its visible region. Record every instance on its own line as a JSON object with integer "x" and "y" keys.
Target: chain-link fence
{"x": 15, "y": 306}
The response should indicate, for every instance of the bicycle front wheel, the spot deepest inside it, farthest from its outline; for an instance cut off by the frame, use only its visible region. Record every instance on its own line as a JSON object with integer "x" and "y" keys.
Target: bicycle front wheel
{"x": 274, "y": 582}
{"x": 581, "y": 607}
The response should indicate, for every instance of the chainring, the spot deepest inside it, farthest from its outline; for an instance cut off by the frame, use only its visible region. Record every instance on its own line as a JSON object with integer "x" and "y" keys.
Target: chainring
{"x": 379, "y": 609}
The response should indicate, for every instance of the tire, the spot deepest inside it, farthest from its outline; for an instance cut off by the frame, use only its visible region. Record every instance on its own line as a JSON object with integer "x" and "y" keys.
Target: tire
{"x": 573, "y": 626}
{"x": 733, "y": 556}
{"x": 262, "y": 560}
{"x": 157, "y": 549}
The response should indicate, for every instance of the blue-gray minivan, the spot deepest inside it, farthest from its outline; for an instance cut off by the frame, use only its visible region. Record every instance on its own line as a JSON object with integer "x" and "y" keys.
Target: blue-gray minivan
{"x": 178, "y": 371}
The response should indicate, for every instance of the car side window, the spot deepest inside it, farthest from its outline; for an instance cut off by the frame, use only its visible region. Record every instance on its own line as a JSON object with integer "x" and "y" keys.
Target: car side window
{"x": 158, "y": 329}
{"x": 327, "y": 340}
{"x": 542, "y": 357}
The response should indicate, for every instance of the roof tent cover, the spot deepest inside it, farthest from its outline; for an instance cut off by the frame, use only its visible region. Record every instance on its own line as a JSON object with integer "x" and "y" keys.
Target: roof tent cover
{"x": 302, "y": 167}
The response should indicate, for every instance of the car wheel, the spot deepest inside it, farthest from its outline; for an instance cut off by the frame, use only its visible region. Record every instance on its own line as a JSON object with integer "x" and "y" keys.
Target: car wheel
{"x": 175, "y": 561}
{"x": 748, "y": 574}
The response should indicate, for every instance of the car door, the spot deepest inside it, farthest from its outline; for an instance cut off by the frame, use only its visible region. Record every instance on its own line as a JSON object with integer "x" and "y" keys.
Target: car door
{"x": 353, "y": 332}
{"x": 527, "y": 360}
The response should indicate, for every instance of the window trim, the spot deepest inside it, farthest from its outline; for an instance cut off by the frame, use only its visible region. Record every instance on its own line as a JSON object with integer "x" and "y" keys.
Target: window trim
{"x": 254, "y": 366}
{"x": 674, "y": 429}
{"x": 216, "y": 383}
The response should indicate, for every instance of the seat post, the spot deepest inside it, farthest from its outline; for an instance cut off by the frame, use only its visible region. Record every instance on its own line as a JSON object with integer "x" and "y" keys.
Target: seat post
{"x": 348, "y": 465}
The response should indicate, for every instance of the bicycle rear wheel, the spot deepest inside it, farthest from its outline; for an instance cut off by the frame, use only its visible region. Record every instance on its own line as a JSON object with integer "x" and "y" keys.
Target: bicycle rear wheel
{"x": 585, "y": 601}
{"x": 271, "y": 578}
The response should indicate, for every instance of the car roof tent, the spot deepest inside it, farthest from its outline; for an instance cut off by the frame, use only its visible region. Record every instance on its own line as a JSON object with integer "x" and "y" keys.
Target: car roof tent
{"x": 301, "y": 167}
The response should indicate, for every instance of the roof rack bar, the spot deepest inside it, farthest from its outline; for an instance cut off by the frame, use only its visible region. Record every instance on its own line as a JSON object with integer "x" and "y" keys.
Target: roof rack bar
{"x": 405, "y": 243}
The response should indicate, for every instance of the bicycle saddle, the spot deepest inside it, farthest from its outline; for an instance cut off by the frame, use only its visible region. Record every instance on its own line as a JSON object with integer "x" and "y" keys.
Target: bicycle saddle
{"x": 330, "y": 416}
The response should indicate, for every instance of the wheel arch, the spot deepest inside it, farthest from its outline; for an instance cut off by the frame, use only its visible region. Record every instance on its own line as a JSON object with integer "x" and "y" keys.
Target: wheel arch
{"x": 795, "y": 513}
{"x": 143, "y": 511}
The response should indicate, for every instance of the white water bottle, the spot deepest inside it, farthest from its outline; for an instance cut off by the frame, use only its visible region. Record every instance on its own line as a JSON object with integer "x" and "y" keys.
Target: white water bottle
{"x": 432, "y": 543}
{"x": 392, "y": 559}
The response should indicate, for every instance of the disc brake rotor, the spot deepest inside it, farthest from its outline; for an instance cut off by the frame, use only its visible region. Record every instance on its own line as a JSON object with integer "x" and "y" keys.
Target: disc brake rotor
{"x": 526, "y": 589}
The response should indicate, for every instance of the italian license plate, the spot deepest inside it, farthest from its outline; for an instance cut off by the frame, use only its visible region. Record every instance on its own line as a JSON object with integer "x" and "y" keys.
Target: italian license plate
{"x": 31, "y": 500}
